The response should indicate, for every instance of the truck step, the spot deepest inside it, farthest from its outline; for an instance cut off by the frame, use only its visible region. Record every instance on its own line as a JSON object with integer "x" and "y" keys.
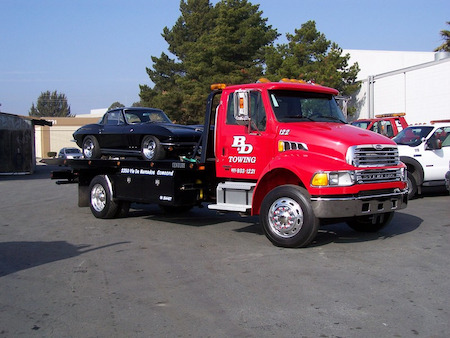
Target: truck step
{"x": 234, "y": 196}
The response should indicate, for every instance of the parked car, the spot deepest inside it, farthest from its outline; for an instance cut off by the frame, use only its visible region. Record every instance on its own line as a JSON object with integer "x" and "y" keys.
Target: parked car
{"x": 425, "y": 149}
{"x": 70, "y": 153}
{"x": 137, "y": 132}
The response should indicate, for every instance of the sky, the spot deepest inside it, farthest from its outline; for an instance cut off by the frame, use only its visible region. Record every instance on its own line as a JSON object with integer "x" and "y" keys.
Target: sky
{"x": 96, "y": 51}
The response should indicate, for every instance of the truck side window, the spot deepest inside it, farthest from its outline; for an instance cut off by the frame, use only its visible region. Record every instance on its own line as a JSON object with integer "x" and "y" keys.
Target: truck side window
{"x": 257, "y": 111}
{"x": 230, "y": 110}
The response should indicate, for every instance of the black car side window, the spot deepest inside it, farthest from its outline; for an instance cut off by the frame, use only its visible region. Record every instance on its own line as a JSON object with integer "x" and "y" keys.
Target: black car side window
{"x": 114, "y": 118}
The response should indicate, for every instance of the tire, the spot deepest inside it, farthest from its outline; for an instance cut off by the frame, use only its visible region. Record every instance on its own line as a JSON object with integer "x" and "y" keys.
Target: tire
{"x": 91, "y": 148}
{"x": 412, "y": 185}
{"x": 370, "y": 223}
{"x": 123, "y": 209}
{"x": 101, "y": 202}
{"x": 151, "y": 149}
{"x": 287, "y": 217}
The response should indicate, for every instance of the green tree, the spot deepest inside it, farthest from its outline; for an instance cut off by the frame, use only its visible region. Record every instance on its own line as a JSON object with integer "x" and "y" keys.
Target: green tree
{"x": 116, "y": 104}
{"x": 51, "y": 104}
{"x": 222, "y": 43}
{"x": 308, "y": 55}
{"x": 445, "y": 47}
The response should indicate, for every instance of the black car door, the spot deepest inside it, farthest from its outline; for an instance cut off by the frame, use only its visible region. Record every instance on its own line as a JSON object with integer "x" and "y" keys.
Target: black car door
{"x": 112, "y": 135}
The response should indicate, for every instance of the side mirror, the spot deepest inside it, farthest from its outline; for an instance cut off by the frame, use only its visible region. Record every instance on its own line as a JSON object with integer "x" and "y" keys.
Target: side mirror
{"x": 241, "y": 106}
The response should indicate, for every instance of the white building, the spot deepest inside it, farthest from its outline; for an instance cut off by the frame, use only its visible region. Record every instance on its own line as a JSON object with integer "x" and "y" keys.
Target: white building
{"x": 416, "y": 83}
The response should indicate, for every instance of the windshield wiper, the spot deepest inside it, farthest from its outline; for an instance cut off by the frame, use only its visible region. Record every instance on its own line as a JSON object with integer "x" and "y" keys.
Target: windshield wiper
{"x": 300, "y": 117}
{"x": 335, "y": 119}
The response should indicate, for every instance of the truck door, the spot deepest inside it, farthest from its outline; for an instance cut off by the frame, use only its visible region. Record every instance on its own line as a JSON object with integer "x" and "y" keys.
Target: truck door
{"x": 436, "y": 158}
{"x": 243, "y": 148}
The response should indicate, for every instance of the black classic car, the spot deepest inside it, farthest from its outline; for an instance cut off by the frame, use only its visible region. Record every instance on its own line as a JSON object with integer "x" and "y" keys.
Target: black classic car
{"x": 137, "y": 132}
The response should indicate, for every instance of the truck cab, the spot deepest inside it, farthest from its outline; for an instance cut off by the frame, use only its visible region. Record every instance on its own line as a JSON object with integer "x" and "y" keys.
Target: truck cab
{"x": 285, "y": 151}
{"x": 425, "y": 149}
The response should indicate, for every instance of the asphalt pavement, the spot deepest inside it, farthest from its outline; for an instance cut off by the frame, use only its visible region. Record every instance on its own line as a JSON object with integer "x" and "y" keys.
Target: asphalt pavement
{"x": 64, "y": 273}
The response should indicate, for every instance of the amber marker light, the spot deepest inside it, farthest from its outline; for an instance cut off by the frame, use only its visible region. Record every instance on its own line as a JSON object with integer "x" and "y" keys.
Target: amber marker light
{"x": 320, "y": 180}
{"x": 216, "y": 86}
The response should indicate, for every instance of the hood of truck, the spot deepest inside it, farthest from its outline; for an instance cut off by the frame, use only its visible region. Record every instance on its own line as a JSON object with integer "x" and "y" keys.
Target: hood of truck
{"x": 330, "y": 139}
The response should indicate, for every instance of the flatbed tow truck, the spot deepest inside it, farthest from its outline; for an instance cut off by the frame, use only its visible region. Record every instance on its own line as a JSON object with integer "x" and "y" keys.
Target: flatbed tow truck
{"x": 281, "y": 150}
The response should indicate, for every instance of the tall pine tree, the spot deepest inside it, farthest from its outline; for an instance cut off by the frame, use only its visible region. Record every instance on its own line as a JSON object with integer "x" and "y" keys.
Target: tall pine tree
{"x": 221, "y": 43}
{"x": 51, "y": 104}
{"x": 308, "y": 55}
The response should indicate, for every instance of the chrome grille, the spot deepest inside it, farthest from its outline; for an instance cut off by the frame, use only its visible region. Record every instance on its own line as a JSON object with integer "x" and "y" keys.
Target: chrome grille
{"x": 373, "y": 155}
{"x": 378, "y": 176}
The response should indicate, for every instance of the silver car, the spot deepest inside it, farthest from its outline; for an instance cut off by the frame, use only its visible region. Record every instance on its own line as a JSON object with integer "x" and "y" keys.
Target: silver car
{"x": 70, "y": 153}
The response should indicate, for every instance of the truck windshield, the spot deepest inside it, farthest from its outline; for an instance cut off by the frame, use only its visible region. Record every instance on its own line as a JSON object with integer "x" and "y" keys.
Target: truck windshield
{"x": 294, "y": 106}
{"x": 412, "y": 136}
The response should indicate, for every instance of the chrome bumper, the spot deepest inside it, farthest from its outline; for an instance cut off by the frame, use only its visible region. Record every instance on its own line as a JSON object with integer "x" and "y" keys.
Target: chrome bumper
{"x": 341, "y": 207}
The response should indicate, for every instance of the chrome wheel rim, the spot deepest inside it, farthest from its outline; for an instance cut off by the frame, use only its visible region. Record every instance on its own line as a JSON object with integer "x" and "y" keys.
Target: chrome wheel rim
{"x": 285, "y": 217}
{"x": 98, "y": 197}
{"x": 88, "y": 148}
{"x": 148, "y": 148}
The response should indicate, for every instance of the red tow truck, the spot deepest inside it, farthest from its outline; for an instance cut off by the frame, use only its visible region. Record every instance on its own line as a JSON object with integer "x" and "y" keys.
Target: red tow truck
{"x": 385, "y": 124}
{"x": 280, "y": 150}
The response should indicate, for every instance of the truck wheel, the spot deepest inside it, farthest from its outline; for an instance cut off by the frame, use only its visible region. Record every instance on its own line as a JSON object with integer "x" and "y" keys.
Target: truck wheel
{"x": 412, "y": 185}
{"x": 370, "y": 223}
{"x": 101, "y": 203}
{"x": 287, "y": 217}
{"x": 151, "y": 149}
{"x": 91, "y": 148}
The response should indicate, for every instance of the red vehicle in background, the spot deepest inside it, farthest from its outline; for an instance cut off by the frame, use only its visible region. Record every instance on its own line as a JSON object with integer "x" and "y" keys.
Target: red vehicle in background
{"x": 385, "y": 124}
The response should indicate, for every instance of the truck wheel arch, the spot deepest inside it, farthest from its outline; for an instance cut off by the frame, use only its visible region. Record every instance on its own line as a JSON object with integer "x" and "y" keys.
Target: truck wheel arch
{"x": 269, "y": 181}
{"x": 414, "y": 167}
{"x": 102, "y": 204}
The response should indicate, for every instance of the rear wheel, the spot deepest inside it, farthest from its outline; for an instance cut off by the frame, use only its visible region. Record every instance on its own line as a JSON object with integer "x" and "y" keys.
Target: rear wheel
{"x": 370, "y": 223}
{"x": 91, "y": 148}
{"x": 101, "y": 202}
{"x": 287, "y": 217}
{"x": 151, "y": 149}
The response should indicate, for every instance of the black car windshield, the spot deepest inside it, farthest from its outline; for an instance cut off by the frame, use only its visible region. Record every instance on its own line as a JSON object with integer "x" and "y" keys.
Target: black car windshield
{"x": 142, "y": 116}
{"x": 295, "y": 106}
{"x": 412, "y": 136}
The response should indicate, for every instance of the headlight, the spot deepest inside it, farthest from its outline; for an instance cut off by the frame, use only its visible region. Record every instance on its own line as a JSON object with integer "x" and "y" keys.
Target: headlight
{"x": 403, "y": 174}
{"x": 333, "y": 179}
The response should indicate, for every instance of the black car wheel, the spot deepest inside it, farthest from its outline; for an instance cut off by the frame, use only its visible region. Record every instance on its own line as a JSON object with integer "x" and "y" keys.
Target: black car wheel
{"x": 91, "y": 148}
{"x": 152, "y": 149}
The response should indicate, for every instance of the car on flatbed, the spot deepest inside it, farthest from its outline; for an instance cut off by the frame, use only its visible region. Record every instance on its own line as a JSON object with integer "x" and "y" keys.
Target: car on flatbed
{"x": 146, "y": 133}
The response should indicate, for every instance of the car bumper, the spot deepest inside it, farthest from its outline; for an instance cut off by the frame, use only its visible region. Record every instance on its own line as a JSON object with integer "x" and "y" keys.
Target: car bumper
{"x": 350, "y": 206}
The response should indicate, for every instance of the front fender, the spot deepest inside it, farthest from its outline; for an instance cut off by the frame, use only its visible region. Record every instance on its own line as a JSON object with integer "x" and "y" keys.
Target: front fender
{"x": 293, "y": 168}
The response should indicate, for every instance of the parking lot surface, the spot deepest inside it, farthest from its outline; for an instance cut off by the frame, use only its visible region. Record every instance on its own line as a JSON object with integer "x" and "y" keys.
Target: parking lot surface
{"x": 64, "y": 273}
